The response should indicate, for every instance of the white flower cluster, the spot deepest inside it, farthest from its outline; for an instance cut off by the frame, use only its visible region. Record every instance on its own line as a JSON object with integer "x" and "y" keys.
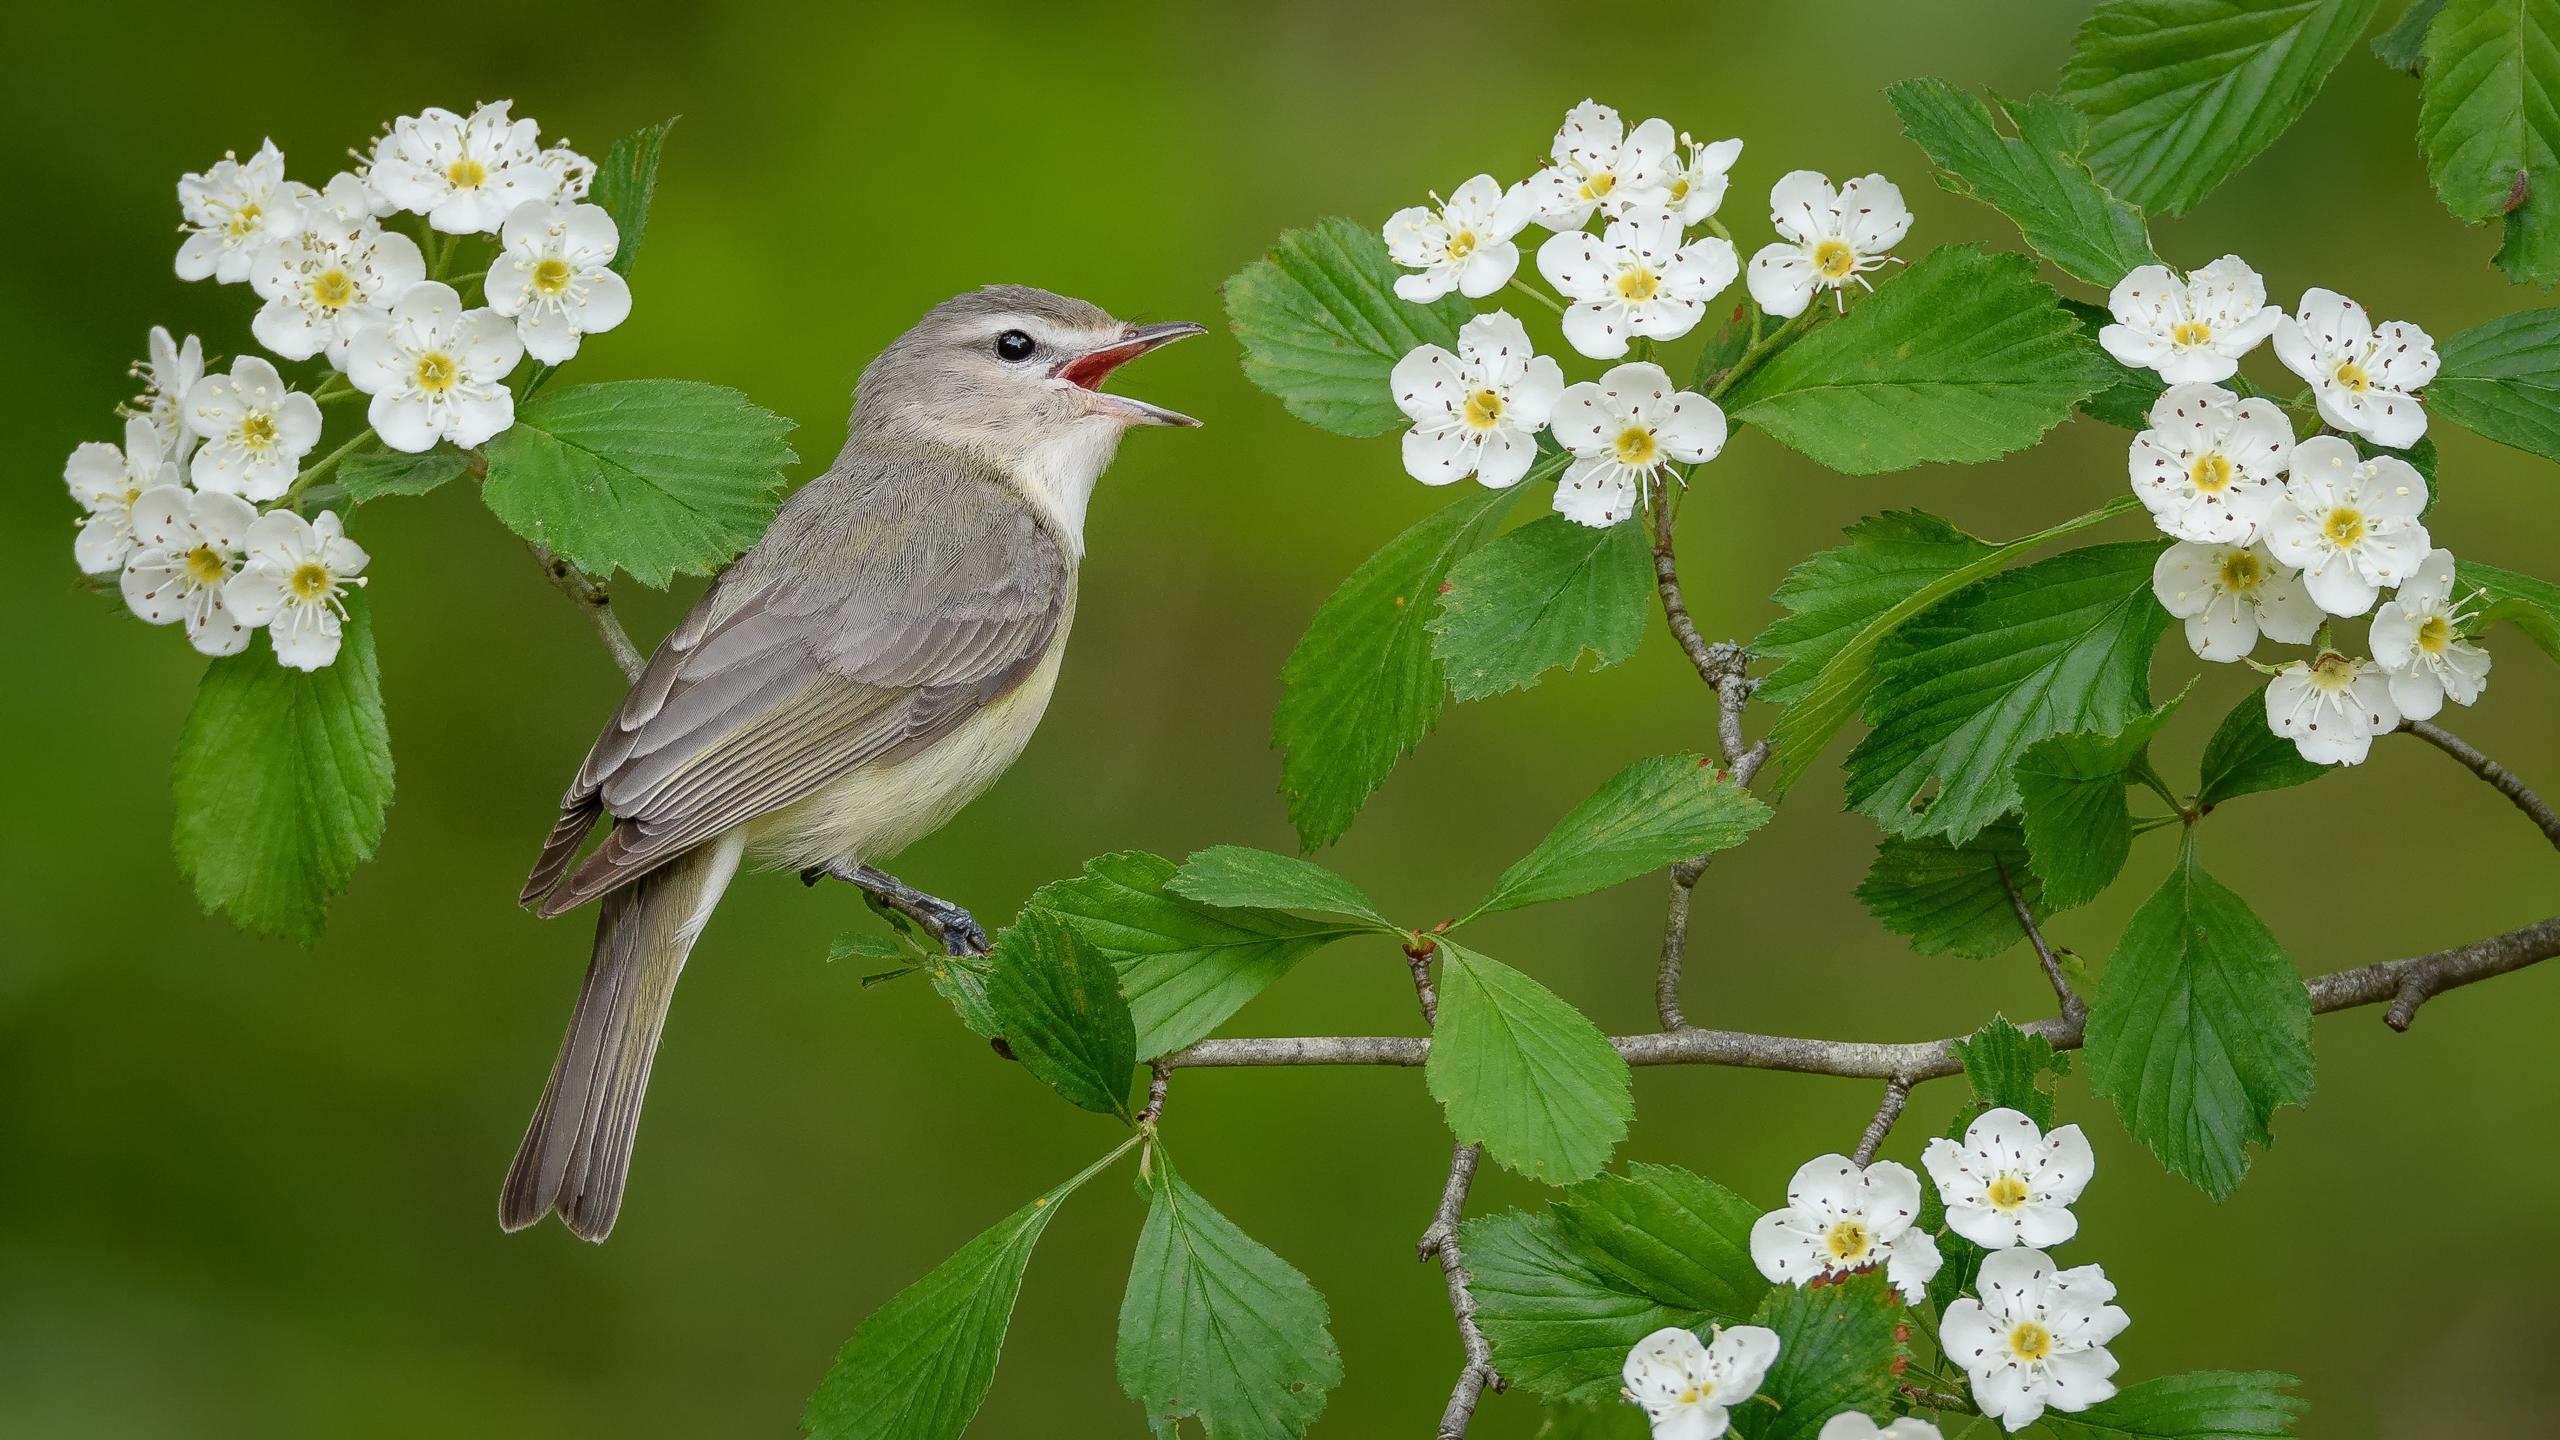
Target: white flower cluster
{"x": 2277, "y": 536}
{"x": 1640, "y": 277}
{"x": 173, "y": 510}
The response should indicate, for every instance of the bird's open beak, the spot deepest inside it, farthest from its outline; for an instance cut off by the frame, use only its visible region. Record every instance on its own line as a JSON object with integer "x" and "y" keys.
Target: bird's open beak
{"x": 1089, "y": 370}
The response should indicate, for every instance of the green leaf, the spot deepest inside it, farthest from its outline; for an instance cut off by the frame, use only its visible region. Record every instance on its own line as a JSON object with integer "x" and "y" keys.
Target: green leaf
{"x": 1680, "y": 1236}
{"x": 962, "y": 980}
{"x": 2060, "y": 646}
{"x": 2071, "y": 805}
{"x": 2502, "y": 379}
{"x": 2532, "y": 606}
{"x": 1947, "y": 899}
{"x": 1363, "y": 688}
{"x": 1236, "y": 876}
{"x": 1649, "y": 815}
{"x": 1522, "y": 1073}
{"x": 1322, "y": 326}
{"x": 1538, "y": 599}
{"x": 1966, "y": 358}
{"x": 1836, "y": 1351}
{"x": 2403, "y": 46}
{"x": 1723, "y": 349}
{"x": 2200, "y": 1405}
{"x": 2007, "y": 1067}
{"x": 2127, "y": 399}
{"x": 2489, "y": 124}
{"x": 1185, "y": 966}
{"x": 1833, "y": 595}
{"x": 2181, "y": 93}
{"x": 2036, "y": 179}
{"x": 919, "y": 1368}
{"x": 1218, "y": 1330}
{"x": 2245, "y": 756}
{"x": 389, "y": 472}
{"x": 652, "y": 477}
{"x": 2200, "y": 1029}
{"x": 282, "y": 781}
{"x": 1057, "y": 1002}
{"x": 625, "y": 184}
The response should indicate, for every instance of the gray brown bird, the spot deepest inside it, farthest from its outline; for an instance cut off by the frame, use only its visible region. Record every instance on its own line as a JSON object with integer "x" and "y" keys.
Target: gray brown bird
{"x": 870, "y": 666}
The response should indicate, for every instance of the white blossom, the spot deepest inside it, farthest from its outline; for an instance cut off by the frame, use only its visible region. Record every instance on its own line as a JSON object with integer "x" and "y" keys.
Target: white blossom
{"x": 255, "y": 429}
{"x": 435, "y": 370}
{"x": 1830, "y": 238}
{"x": 1850, "y": 1425}
{"x": 2349, "y": 524}
{"x": 187, "y": 547}
{"x": 1479, "y": 411}
{"x": 1839, "y": 1218}
{"x": 2195, "y": 329}
{"x": 1622, "y": 432}
{"x": 2331, "y": 707}
{"x": 1636, "y": 278}
{"x": 339, "y": 272}
{"x": 1687, "y": 1388}
{"x": 2037, "y": 1339}
{"x": 2229, "y": 595}
{"x": 1694, "y": 182}
{"x": 2010, "y": 1183}
{"x": 553, "y": 276}
{"x": 2211, "y": 466}
{"x": 233, "y": 211}
{"x": 1464, "y": 245}
{"x": 171, "y": 371}
{"x": 572, "y": 174}
{"x": 465, "y": 175}
{"x": 2365, "y": 379}
{"x": 295, "y": 583}
{"x": 107, "y": 480}
{"x": 1599, "y": 166}
{"x": 2418, "y": 640}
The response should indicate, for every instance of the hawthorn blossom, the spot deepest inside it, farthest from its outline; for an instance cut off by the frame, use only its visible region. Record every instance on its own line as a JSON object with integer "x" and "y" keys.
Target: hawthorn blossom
{"x": 187, "y": 547}
{"x": 435, "y": 370}
{"x": 572, "y": 174}
{"x": 2417, "y": 640}
{"x": 232, "y": 211}
{"x": 2229, "y": 595}
{"x": 171, "y": 371}
{"x": 1479, "y": 411}
{"x": 2010, "y": 1183}
{"x": 1694, "y": 182}
{"x": 1850, "y": 1425}
{"x": 107, "y": 480}
{"x": 2210, "y": 467}
{"x": 465, "y": 175}
{"x": 2349, "y": 524}
{"x": 1636, "y": 278}
{"x": 1839, "y": 1219}
{"x": 2195, "y": 329}
{"x": 553, "y": 276}
{"x": 255, "y": 429}
{"x": 2332, "y": 707}
{"x": 2037, "y": 1339}
{"x": 2365, "y": 379}
{"x": 1687, "y": 1388}
{"x": 295, "y": 582}
{"x": 1830, "y": 238}
{"x": 1465, "y": 245}
{"x": 329, "y": 280}
{"x": 1622, "y": 432}
{"x": 1599, "y": 166}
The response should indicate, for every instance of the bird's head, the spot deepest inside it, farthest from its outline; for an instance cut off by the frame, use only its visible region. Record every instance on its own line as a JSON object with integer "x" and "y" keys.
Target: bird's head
{"x": 1009, "y": 369}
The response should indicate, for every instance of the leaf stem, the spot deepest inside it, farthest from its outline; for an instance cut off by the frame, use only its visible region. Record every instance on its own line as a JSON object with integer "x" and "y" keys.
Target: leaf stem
{"x": 325, "y": 464}
{"x": 1761, "y": 347}
{"x": 1534, "y": 293}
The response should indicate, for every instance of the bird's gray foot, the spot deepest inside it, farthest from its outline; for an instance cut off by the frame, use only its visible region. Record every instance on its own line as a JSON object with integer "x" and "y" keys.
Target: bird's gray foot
{"x": 956, "y": 929}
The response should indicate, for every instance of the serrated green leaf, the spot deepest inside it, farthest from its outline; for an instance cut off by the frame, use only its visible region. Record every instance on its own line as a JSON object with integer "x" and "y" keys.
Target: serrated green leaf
{"x": 1322, "y": 326}
{"x": 962, "y": 980}
{"x": 1679, "y": 1236}
{"x": 651, "y": 477}
{"x": 2126, "y": 400}
{"x": 2403, "y": 46}
{"x": 1539, "y": 598}
{"x": 1056, "y": 1000}
{"x": 2199, "y": 1405}
{"x": 1836, "y": 1352}
{"x": 2246, "y": 756}
{"x": 282, "y": 782}
{"x": 1522, "y": 1073}
{"x": 2036, "y": 179}
{"x": 1965, "y": 358}
{"x": 1237, "y": 876}
{"x": 1727, "y": 346}
{"x": 1184, "y": 966}
{"x": 2071, "y": 804}
{"x": 1217, "y": 1330}
{"x": 625, "y": 184}
{"x": 2489, "y": 124}
{"x": 390, "y": 472}
{"x": 1948, "y": 899}
{"x": 1833, "y": 595}
{"x": 2531, "y": 605}
{"x": 2200, "y": 1028}
{"x": 1653, "y": 813}
{"x": 2181, "y": 93}
{"x": 1363, "y": 688}
{"x": 2060, "y": 646}
{"x": 2007, "y": 1067}
{"x": 2502, "y": 380}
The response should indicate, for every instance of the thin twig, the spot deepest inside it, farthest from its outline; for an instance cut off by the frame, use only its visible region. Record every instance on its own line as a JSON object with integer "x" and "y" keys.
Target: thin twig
{"x": 1156, "y": 1088}
{"x": 597, "y": 602}
{"x": 1896, "y": 1091}
{"x": 1675, "y": 943}
{"x": 1440, "y": 1240}
{"x": 2074, "y": 1008}
{"x": 2498, "y": 776}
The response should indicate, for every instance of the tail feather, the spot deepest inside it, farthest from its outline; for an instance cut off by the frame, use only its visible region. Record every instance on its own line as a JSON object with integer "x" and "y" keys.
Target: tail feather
{"x": 577, "y": 1151}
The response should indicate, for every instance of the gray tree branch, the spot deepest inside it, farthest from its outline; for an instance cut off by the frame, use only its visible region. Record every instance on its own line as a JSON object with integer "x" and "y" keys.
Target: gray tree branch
{"x": 597, "y": 602}
{"x": 2497, "y": 775}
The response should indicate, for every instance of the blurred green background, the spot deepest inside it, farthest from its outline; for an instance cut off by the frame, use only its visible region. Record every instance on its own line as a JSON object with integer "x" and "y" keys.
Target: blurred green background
{"x": 248, "y": 1191}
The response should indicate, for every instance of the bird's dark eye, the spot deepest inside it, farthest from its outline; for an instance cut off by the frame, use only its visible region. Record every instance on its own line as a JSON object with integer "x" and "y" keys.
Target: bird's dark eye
{"x": 1014, "y": 347}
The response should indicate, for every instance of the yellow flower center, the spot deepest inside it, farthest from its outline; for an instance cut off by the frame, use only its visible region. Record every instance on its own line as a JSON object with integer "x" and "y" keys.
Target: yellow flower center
{"x": 333, "y": 289}
{"x": 2211, "y": 473}
{"x": 2242, "y": 571}
{"x": 2030, "y": 1341}
{"x": 310, "y": 582}
{"x": 1638, "y": 285}
{"x": 2333, "y": 672}
{"x": 1848, "y": 1241}
{"x": 436, "y": 372}
{"x": 1697, "y": 1392}
{"x": 1635, "y": 445}
{"x": 2344, "y": 528}
{"x": 205, "y": 566}
{"x": 1462, "y": 244}
{"x": 551, "y": 276}
{"x": 1833, "y": 259}
{"x": 2187, "y": 333}
{"x": 2006, "y": 1193}
{"x": 2434, "y": 635}
{"x": 244, "y": 221}
{"x": 1597, "y": 187}
{"x": 257, "y": 430}
{"x": 2351, "y": 375}
{"x": 1679, "y": 189}
{"x": 1484, "y": 410}
{"x": 466, "y": 173}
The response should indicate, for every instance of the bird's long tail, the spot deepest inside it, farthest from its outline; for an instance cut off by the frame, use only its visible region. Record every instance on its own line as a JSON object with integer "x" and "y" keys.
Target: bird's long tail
{"x": 577, "y": 1152}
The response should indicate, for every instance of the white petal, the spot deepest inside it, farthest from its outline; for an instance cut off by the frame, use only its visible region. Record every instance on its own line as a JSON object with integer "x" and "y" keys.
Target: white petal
{"x": 1782, "y": 280}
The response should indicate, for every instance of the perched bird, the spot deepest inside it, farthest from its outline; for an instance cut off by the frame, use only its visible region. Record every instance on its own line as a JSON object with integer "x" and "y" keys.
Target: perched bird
{"x": 869, "y": 667}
